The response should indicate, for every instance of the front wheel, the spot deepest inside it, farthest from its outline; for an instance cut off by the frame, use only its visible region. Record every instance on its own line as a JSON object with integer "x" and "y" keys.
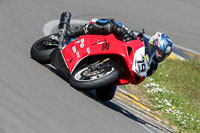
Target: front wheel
{"x": 87, "y": 79}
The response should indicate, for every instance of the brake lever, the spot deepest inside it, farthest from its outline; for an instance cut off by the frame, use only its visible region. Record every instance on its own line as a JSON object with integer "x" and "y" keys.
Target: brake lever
{"x": 141, "y": 34}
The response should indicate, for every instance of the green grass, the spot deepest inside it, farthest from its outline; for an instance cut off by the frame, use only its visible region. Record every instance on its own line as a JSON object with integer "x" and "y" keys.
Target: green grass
{"x": 175, "y": 91}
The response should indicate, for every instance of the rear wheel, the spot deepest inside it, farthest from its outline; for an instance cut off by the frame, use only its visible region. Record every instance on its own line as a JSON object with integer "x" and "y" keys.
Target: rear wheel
{"x": 106, "y": 93}
{"x": 88, "y": 77}
{"x": 42, "y": 48}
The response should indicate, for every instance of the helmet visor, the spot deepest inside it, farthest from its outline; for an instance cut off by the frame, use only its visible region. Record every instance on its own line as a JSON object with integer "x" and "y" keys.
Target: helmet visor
{"x": 160, "y": 55}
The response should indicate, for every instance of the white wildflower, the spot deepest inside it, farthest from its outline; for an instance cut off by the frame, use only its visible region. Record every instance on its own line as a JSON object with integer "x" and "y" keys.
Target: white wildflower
{"x": 167, "y": 103}
{"x": 178, "y": 112}
{"x": 154, "y": 85}
{"x": 183, "y": 122}
{"x": 156, "y": 99}
{"x": 159, "y": 106}
{"x": 146, "y": 85}
{"x": 167, "y": 111}
{"x": 150, "y": 79}
{"x": 148, "y": 91}
{"x": 182, "y": 113}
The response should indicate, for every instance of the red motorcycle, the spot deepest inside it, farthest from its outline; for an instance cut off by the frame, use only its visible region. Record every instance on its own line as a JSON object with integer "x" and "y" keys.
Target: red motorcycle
{"x": 94, "y": 61}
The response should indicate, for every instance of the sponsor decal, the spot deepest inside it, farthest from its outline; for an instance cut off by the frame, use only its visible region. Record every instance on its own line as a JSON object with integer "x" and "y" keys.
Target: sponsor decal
{"x": 78, "y": 41}
{"x": 102, "y": 42}
{"x": 105, "y": 46}
{"x": 88, "y": 50}
{"x": 78, "y": 54}
{"x": 82, "y": 43}
{"x": 74, "y": 49}
{"x": 71, "y": 60}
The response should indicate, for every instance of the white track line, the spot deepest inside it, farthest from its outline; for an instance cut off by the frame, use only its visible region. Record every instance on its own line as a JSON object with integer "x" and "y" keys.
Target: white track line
{"x": 187, "y": 49}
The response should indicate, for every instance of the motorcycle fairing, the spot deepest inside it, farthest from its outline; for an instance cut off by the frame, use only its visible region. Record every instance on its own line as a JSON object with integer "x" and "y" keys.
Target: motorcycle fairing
{"x": 89, "y": 45}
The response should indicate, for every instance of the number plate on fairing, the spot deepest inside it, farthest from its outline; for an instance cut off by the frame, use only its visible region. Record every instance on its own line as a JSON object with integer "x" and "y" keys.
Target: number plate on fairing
{"x": 140, "y": 65}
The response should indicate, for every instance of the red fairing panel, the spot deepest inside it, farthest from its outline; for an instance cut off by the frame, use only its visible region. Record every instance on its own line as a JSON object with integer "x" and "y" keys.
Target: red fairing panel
{"x": 88, "y": 45}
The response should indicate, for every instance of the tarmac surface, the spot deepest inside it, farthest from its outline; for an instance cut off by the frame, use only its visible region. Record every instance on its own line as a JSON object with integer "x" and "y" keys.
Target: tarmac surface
{"x": 35, "y": 99}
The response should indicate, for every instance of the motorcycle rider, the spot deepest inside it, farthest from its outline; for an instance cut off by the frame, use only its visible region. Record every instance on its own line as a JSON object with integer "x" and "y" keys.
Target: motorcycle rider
{"x": 160, "y": 41}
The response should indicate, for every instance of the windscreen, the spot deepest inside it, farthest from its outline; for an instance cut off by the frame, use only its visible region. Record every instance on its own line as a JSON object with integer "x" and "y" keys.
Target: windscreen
{"x": 150, "y": 50}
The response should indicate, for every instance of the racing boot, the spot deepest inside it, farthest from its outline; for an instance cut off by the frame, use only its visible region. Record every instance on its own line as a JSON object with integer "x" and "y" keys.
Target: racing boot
{"x": 121, "y": 33}
{"x": 75, "y": 31}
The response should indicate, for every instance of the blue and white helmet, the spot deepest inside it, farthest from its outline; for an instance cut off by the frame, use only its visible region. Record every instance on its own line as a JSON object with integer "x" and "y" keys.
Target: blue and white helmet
{"x": 164, "y": 45}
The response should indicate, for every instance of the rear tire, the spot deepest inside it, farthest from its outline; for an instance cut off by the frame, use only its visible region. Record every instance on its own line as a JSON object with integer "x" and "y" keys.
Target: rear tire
{"x": 106, "y": 93}
{"x": 40, "y": 51}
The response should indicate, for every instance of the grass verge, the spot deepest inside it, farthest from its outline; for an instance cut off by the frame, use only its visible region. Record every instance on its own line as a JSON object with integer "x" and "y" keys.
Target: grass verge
{"x": 174, "y": 90}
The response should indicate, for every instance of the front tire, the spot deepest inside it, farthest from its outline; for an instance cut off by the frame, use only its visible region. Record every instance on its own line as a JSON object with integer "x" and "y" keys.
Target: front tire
{"x": 83, "y": 79}
{"x": 40, "y": 51}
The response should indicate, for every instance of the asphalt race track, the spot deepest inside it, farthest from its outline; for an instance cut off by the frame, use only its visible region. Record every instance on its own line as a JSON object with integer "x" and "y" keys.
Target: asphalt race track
{"x": 33, "y": 99}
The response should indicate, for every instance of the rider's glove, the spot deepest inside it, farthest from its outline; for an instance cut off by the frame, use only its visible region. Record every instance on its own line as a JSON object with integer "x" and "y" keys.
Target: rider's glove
{"x": 132, "y": 35}
{"x": 127, "y": 38}
{"x": 140, "y": 35}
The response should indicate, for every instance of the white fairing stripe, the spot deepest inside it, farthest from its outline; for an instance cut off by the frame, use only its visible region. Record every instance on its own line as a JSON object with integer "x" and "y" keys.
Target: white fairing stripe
{"x": 140, "y": 65}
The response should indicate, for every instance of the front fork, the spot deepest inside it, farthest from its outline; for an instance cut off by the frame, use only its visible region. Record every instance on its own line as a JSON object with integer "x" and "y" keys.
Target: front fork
{"x": 98, "y": 64}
